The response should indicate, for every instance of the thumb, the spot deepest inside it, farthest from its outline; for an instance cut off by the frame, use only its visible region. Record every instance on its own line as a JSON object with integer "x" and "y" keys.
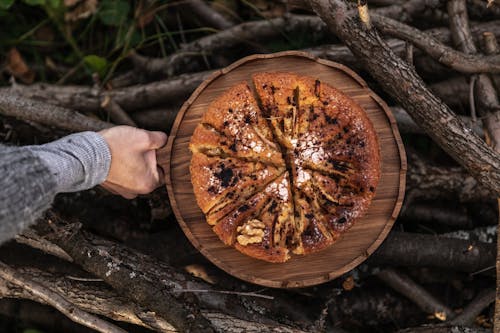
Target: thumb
{"x": 158, "y": 139}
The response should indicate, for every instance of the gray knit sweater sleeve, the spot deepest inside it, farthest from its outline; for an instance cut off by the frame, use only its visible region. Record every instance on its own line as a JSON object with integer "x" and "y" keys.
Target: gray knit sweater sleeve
{"x": 31, "y": 176}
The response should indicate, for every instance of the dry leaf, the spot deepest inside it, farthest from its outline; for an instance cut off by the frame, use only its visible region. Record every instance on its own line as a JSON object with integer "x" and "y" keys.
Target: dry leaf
{"x": 200, "y": 272}
{"x": 348, "y": 283}
{"x": 82, "y": 10}
{"x": 441, "y": 315}
{"x": 17, "y": 67}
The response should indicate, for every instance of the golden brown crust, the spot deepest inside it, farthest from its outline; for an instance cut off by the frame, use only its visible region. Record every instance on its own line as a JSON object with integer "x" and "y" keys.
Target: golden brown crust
{"x": 259, "y": 212}
{"x": 218, "y": 179}
{"x": 323, "y": 138}
{"x": 243, "y": 130}
{"x": 209, "y": 141}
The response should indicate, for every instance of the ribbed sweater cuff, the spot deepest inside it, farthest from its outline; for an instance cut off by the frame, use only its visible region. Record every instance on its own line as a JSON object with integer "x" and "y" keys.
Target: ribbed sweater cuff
{"x": 78, "y": 161}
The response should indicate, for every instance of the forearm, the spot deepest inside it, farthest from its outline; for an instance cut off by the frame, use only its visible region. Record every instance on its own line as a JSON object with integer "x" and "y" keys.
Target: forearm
{"x": 27, "y": 190}
{"x": 31, "y": 176}
{"x": 77, "y": 162}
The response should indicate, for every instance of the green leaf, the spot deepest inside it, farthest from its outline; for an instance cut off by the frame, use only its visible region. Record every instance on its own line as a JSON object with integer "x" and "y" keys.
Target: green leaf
{"x": 35, "y": 2}
{"x": 54, "y": 3}
{"x": 113, "y": 12}
{"x": 96, "y": 64}
{"x": 5, "y": 4}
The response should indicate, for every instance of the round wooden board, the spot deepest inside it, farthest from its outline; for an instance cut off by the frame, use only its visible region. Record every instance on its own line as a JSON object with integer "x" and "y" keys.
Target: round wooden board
{"x": 300, "y": 271}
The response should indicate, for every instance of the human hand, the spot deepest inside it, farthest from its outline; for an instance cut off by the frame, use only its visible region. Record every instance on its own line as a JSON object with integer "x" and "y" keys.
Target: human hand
{"x": 133, "y": 169}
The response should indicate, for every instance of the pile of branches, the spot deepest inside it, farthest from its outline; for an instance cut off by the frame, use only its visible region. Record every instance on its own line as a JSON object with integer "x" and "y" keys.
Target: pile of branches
{"x": 114, "y": 266}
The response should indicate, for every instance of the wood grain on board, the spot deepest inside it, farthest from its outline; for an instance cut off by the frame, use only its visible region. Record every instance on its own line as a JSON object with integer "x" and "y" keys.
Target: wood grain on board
{"x": 355, "y": 245}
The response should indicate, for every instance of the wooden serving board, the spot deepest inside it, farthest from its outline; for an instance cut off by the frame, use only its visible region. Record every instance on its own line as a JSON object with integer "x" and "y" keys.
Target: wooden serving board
{"x": 300, "y": 271}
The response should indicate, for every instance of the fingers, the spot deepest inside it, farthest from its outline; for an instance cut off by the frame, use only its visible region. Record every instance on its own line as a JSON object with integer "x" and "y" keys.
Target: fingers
{"x": 157, "y": 139}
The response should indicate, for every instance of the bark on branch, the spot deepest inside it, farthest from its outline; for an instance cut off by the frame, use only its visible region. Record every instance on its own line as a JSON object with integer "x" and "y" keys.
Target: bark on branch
{"x": 411, "y": 249}
{"x": 429, "y": 182}
{"x": 14, "y": 105}
{"x": 60, "y": 303}
{"x": 461, "y": 62}
{"x": 93, "y": 297}
{"x": 402, "y": 82}
{"x": 158, "y": 286}
{"x": 85, "y": 98}
{"x": 410, "y": 289}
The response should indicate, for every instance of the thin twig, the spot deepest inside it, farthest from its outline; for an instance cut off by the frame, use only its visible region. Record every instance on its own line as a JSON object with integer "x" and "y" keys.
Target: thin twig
{"x": 228, "y": 292}
{"x": 116, "y": 113}
{"x": 475, "y": 307}
{"x": 29, "y": 237}
{"x": 57, "y": 301}
{"x": 406, "y": 286}
{"x": 461, "y": 62}
{"x": 472, "y": 102}
{"x": 409, "y": 53}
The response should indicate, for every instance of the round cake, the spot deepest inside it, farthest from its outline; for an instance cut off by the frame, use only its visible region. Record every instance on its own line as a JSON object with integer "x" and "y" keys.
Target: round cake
{"x": 285, "y": 170}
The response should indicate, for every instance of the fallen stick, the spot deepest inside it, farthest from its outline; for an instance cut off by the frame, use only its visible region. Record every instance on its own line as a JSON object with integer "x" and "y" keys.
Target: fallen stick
{"x": 402, "y": 82}
{"x": 486, "y": 96}
{"x": 158, "y": 286}
{"x": 57, "y": 301}
{"x": 429, "y": 182}
{"x": 474, "y": 308}
{"x": 459, "y": 61}
{"x": 93, "y": 297}
{"x": 23, "y": 108}
{"x": 412, "y": 249}
{"x": 85, "y": 98}
{"x": 413, "y": 291}
{"x": 116, "y": 113}
{"x": 209, "y": 15}
{"x": 407, "y": 125}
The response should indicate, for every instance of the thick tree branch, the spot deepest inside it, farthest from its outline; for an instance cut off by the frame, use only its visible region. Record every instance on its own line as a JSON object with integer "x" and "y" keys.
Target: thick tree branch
{"x": 411, "y": 249}
{"x": 461, "y": 62}
{"x": 97, "y": 298}
{"x": 57, "y": 301}
{"x": 14, "y": 105}
{"x": 486, "y": 96}
{"x": 407, "y": 125}
{"x": 209, "y": 15}
{"x": 428, "y": 182}
{"x": 93, "y": 297}
{"x": 445, "y": 329}
{"x": 402, "y": 82}
{"x": 84, "y": 98}
{"x": 158, "y": 286}
{"x": 247, "y": 32}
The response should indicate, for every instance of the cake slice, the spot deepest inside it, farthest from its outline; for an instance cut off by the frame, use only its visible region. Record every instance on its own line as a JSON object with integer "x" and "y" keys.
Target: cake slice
{"x": 315, "y": 235}
{"x": 218, "y": 182}
{"x": 279, "y": 97}
{"x": 209, "y": 141}
{"x": 259, "y": 227}
{"x": 238, "y": 127}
